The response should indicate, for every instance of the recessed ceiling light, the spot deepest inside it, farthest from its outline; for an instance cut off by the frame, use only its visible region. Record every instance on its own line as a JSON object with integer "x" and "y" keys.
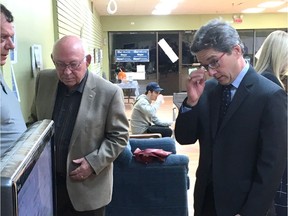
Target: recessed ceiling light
{"x": 284, "y": 10}
{"x": 253, "y": 10}
{"x": 271, "y": 4}
{"x": 171, "y": 1}
{"x": 164, "y": 7}
{"x": 161, "y": 12}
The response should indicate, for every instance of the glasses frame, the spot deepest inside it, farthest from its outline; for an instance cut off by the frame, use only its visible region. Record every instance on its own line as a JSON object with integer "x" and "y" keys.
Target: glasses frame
{"x": 213, "y": 65}
{"x": 63, "y": 66}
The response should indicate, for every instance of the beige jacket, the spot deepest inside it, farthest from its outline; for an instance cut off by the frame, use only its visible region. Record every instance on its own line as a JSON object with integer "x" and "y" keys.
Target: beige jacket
{"x": 100, "y": 134}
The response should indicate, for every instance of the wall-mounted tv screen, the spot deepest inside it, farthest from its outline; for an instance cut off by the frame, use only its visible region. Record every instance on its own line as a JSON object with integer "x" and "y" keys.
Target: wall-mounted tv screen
{"x": 132, "y": 55}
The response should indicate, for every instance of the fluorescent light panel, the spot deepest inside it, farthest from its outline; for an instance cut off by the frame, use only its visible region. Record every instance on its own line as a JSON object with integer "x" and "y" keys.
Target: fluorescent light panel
{"x": 271, "y": 4}
{"x": 164, "y": 7}
{"x": 262, "y": 6}
{"x": 283, "y": 10}
{"x": 253, "y": 10}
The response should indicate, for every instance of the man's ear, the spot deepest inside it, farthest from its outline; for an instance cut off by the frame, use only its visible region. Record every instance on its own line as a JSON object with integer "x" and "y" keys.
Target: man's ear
{"x": 88, "y": 59}
{"x": 238, "y": 50}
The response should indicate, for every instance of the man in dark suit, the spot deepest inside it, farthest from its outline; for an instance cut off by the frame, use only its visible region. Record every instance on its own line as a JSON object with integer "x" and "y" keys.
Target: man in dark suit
{"x": 91, "y": 128}
{"x": 242, "y": 155}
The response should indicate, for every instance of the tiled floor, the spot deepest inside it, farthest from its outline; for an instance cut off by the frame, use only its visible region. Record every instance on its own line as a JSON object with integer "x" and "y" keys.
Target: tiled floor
{"x": 192, "y": 151}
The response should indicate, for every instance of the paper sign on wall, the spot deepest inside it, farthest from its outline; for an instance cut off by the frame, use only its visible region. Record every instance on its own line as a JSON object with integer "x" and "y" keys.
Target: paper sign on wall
{"x": 36, "y": 59}
{"x": 168, "y": 50}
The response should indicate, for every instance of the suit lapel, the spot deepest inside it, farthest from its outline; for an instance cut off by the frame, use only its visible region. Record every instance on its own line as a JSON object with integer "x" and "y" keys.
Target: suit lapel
{"x": 215, "y": 107}
{"x": 88, "y": 95}
{"x": 241, "y": 93}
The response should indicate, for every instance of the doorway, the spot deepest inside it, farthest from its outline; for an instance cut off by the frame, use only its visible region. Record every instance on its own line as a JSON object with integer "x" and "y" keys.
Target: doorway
{"x": 159, "y": 68}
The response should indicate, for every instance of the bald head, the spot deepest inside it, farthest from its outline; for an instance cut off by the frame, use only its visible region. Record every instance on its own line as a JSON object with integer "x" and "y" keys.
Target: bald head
{"x": 68, "y": 45}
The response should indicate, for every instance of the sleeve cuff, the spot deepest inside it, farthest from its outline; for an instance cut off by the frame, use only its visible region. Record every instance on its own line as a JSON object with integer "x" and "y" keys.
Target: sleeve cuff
{"x": 185, "y": 107}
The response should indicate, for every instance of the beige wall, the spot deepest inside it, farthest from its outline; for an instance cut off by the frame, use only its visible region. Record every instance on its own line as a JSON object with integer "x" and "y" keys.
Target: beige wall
{"x": 33, "y": 21}
{"x": 189, "y": 22}
{"x": 183, "y": 22}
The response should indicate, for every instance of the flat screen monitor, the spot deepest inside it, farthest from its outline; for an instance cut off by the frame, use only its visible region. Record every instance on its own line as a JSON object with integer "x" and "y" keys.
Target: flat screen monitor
{"x": 27, "y": 174}
{"x": 35, "y": 188}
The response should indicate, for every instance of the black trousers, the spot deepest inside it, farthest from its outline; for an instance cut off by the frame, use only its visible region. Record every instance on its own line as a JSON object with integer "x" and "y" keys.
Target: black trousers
{"x": 64, "y": 206}
{"x": 208, "y": 208}
{"x": 165, "y": 131}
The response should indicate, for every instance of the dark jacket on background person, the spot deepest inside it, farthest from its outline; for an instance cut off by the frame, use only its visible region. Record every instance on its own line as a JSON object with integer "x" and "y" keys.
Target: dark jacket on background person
{"x": 281, "y": 202}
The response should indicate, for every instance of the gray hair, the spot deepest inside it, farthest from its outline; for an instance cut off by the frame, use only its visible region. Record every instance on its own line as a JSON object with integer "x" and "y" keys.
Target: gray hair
{"x": 217, "y": 35}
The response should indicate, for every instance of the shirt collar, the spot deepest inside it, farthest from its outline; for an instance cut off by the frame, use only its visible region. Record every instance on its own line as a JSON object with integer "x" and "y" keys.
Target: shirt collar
{"x": 1, "y": 75}
{"x": 80, "y": 87}
{"x": 2, "y": 82}
{"x": 240, "y": 76}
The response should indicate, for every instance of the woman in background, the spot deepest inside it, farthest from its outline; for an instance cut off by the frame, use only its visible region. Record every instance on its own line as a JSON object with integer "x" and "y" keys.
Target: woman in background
{"x": 273, "y": 59}
{"x": 273, "y": 64}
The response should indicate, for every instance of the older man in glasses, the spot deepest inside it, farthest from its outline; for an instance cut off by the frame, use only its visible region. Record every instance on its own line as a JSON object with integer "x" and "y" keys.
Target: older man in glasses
{"x": 240, "y": 121}
{"x": 91, "y": 128}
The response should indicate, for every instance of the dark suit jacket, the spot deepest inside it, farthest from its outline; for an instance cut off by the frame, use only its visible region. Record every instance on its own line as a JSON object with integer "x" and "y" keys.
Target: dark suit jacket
{"x": 269, "y": 75}
{"x": 100, "y": 134}
{"x": 281, "y": 195}
{"x": 246, "y": 157}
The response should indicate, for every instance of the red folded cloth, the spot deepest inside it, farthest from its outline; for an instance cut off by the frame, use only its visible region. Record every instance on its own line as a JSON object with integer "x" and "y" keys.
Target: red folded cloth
{"x": 149, "y": 155}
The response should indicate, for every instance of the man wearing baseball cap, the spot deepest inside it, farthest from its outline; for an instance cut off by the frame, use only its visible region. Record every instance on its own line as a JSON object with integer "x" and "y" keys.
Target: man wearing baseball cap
{"x": 144, "y": 118}
{"x": 153, "y": 86}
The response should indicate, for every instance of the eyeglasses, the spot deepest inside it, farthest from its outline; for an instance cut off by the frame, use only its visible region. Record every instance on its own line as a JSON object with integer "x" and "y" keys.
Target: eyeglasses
{"x": 72, "y": 65}
{"x": 213, "y": 64}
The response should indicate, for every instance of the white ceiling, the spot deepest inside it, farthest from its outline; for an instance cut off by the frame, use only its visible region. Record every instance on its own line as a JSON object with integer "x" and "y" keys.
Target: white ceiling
{"x": 145, "y": 7}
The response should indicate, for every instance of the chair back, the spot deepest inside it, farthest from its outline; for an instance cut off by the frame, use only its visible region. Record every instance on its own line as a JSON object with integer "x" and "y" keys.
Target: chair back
{"x": 178, "y": 98}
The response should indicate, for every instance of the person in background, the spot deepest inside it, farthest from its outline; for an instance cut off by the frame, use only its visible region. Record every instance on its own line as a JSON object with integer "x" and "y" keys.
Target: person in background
{"x": 12, "y": 121}
{"x": 91, "y": 128}
{"x": 144, "y": 118}
{"x": 273, "y": 64}
{"x": 242, "y": 154}
{"x": 130, "y": 67}
{"x": 121, "y": 75}
{"x": 273, "y": 58}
